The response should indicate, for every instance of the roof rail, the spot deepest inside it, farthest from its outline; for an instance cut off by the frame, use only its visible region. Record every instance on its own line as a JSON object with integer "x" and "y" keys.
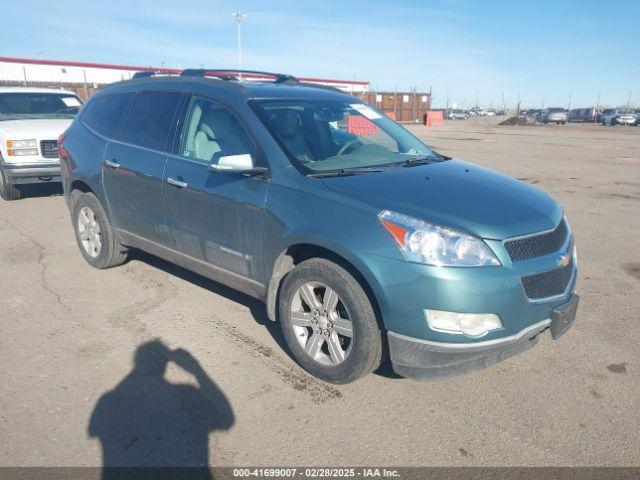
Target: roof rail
{"x": 229, "y": 74}
{"x": 152, "y": 73}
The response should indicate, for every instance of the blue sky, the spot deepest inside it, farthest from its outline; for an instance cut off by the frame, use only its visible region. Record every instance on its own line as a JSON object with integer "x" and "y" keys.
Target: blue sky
{"x": 537, "y": 49}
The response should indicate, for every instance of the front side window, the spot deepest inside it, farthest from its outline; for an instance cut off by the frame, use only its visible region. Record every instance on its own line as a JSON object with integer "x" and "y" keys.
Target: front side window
{"x": 151, "y": 118}
{"x": 21, "y": 105}
{"x": 104, "y": 113}
{"x": 329, "y": 135}
{"x": 212, "y": 131}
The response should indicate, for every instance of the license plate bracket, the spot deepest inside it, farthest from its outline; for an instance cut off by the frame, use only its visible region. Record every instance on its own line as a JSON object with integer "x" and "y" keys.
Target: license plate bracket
{"x": 563, "y": 317}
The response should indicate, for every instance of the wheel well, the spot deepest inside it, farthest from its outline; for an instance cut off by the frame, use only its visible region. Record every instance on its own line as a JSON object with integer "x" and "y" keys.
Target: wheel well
{"x": 81, "y": 186}
{"x": 296, "y": 254}
{"x": 77, "y": 187}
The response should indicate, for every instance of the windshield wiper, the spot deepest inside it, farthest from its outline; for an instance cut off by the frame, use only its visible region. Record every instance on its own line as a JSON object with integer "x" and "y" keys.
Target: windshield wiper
{"x": 344, "y": 172}
{"x": 424, "y": 160}
{"x": 421, "y": 160}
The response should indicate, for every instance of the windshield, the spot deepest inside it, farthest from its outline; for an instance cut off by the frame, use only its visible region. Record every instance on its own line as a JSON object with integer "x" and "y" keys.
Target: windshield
{"x": 326, "y": 135}
{"x": 38, "y": 105}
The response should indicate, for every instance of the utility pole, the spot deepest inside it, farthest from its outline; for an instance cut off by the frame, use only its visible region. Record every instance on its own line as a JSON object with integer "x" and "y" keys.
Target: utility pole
{"x": 239, "y": 18}
{"x": 476, "y": 99}
{"x": 595, "y": 114}
{"x": 86, "y": 88}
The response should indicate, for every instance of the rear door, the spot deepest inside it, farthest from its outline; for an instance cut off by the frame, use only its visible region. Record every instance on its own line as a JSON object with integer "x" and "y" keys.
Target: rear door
{"x": 133, "y": 167}
{"x": 215, "y": 218}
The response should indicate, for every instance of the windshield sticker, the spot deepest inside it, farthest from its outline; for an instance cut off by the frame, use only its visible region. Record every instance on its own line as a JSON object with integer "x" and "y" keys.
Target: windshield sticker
{"x": 366, "y": 111}
{"x": 71, "y": 101}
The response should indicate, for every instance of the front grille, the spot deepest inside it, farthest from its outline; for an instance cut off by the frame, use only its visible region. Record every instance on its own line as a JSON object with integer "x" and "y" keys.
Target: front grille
{"x": 548, "y": 284}
{"x": 537, "y": 245}
{"x": 49, "y": 148}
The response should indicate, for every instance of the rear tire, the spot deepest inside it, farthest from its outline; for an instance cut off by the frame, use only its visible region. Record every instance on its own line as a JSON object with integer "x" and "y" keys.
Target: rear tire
{"x": 8, "y": 191}
{"x": 94, "y": 233}
{"x": 349, "y": 345}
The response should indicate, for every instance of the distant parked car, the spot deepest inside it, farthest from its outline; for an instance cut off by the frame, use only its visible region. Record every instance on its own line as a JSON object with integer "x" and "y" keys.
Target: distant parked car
{"x": 553, "y": 115}
{"x": 458, "y": 114}
{"x": 583, "y": 115}
{"x": 618, "y": 116}
{"x": 637, "y": 118}
{"x": 31, "y": 120}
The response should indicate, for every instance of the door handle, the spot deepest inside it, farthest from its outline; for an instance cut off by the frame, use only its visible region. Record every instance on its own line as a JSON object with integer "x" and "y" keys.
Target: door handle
{"x": 112, "y": 163}
{"x": 176, "y": 183}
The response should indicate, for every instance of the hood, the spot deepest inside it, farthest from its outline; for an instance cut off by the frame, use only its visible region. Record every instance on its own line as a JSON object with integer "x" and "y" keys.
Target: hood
{"x": 38, "y": 128}
{"x": 456, "y": 194}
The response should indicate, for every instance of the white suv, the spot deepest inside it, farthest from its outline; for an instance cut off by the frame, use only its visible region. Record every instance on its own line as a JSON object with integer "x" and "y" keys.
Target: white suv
{"x": 31, "y": 120}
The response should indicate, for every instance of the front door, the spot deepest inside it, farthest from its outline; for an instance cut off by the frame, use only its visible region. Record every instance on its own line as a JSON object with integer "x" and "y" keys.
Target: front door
{"x": 133, "y": 168}
{"x": 214, "y": 217}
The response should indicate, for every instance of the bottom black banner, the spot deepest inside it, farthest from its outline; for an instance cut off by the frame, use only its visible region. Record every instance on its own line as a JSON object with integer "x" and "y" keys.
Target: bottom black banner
{"x": 395, "y": 473}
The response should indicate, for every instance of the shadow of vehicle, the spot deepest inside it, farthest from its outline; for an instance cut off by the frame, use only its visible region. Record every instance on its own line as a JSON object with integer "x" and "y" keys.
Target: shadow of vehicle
{"x": 256, "y": 307}
{"x": 150, "y": 428}
{"x": 41, "y": 190}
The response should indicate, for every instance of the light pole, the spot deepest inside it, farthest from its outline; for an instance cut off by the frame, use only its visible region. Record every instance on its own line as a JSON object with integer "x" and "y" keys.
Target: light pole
{"x": 239, "y": 18}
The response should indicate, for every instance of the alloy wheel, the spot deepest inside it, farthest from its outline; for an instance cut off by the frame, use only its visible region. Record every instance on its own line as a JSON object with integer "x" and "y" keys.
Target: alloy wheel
{"x": 89, "y": 232}
{"x": 321, "y": 323}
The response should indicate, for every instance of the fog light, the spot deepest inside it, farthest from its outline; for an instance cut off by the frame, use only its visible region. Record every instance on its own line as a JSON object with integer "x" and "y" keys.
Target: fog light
{"x": 472, "y": 324}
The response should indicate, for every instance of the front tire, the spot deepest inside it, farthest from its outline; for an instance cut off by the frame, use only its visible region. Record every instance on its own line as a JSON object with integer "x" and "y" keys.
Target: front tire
{"x": 94, "y": 233}
{"x": 8, "y": 191}
{"x": 328, "y": 322}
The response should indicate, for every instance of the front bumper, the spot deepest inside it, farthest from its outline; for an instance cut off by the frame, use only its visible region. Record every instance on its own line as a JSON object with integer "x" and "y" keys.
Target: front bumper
{"x": 625, "y": 121}
{"x": 427, "y": 360}
{"x": 21, "y": 173}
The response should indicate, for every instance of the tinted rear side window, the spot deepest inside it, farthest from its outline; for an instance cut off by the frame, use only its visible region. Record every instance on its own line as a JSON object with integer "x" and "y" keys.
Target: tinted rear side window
{"x": 151, "y": 118}
{"x": 103, "y": 114}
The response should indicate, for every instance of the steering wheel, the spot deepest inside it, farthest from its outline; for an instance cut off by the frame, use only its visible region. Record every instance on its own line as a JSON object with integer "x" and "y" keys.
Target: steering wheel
{"x": 348, "y": 145}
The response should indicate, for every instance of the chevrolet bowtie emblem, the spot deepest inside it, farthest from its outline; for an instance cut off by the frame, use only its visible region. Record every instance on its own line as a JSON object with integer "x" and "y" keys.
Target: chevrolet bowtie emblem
{"x": 563, "y": 261}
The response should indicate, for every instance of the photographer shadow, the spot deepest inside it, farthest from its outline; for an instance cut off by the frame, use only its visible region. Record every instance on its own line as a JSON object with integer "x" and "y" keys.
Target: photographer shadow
{"x": 150, "y": 428}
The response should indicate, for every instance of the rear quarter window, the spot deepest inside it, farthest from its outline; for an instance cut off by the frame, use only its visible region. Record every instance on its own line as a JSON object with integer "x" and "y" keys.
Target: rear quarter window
{"x": 104, "y": 113}
{"x": 150, "y": 120}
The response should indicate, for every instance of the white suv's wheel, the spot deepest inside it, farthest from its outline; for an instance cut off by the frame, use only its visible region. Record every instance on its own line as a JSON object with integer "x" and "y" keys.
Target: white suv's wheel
{"x": 8, "y": 191}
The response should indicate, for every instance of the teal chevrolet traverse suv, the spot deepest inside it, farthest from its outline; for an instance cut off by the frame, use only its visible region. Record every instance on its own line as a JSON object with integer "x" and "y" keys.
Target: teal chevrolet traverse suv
{"x": 365, "y": 244}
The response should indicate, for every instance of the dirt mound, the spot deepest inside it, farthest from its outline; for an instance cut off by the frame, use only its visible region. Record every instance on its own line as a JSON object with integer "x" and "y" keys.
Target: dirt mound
{"x": 521, "y": 120}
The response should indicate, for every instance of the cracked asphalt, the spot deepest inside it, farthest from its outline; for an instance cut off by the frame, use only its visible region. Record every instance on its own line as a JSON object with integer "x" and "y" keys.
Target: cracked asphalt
{"x": 69, "y": 333}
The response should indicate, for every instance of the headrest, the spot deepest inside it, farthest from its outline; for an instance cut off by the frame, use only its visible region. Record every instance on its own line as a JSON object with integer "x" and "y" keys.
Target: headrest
{"x": 216, "y": 123}
{"x": 286, "y": 122}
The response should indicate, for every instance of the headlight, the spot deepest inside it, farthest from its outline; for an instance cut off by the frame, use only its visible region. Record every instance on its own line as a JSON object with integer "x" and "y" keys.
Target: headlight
{"x": 422, "y": 242}
{"x": 22, "y": 147}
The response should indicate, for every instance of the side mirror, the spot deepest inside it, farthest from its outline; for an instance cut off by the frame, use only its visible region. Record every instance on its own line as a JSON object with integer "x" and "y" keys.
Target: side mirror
{"x": 243, "y": 164}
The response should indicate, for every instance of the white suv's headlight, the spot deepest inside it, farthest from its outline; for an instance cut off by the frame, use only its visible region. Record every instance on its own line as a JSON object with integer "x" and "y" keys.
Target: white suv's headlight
{"x": 17, "y": 148}
{"x": 422, "y": 242}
